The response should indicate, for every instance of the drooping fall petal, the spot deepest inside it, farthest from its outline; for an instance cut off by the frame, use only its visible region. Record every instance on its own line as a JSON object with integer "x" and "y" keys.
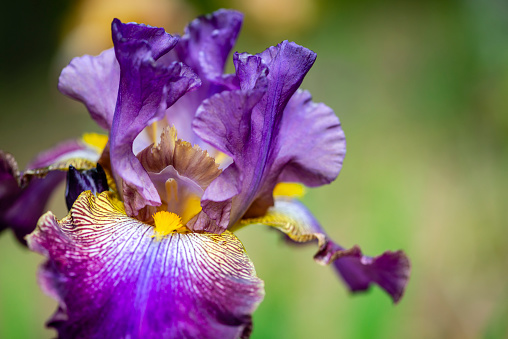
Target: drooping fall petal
{"x": 114, "y": 279}
{"x": 390, "y": 270}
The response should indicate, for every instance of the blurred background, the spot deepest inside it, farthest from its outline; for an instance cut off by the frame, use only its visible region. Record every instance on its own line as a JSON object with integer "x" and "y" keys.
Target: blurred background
{"x": 421, "y": 89}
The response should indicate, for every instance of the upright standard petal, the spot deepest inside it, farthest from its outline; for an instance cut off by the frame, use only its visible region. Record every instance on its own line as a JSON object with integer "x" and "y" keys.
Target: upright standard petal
{"x": 204, "y": 47}
{"x": 271, "y": 131}
{"x": 315, "y": 159}
{"x": 207, "y": 42}
{"x": 114, "y": 279}
{"x": 390, "y": 270}
{"x": 147, "y": 88}
{"x": 93, "y": 80}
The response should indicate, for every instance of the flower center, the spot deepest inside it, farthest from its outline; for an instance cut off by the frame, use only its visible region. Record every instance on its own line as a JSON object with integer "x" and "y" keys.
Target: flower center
{"x": 166, "y": 223}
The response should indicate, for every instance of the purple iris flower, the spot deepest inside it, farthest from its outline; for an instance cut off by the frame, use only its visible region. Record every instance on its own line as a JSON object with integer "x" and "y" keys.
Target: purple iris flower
{"x": 147, "y": 249}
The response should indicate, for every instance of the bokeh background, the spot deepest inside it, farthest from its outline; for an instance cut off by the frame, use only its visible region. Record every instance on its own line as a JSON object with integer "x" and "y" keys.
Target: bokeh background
{"x": 421, "y": 88}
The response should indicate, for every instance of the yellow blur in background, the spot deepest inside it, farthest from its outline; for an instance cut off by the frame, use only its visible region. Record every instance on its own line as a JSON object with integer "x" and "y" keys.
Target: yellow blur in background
{"x": 421, "y": 89}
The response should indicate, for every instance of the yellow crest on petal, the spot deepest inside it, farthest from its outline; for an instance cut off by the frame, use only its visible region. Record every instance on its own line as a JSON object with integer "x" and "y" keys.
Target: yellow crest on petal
{"x": 95, "y": 140}
{"x": 289, "y": 189}
{"x": 167, "y": 222}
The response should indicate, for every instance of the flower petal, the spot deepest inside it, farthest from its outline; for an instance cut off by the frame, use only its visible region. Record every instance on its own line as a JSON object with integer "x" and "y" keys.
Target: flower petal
{"x": 312, "y": 142}
{"x": 146, "y": 89}
{"x": 207, "y": 42}
{"x": 93, "y": 80}
{"x": 246, "y": 123}
{"x": 23, "y": 196}
{"x": 113, "y": 279}
{"x": 65, "y": 154}
{"x": 204, "y": 47}
{"x": 390, "y": 270}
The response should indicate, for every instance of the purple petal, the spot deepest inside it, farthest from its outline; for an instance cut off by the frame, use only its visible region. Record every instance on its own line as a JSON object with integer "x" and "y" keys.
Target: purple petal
{"x": 146, "y": 89}
{"x": 207, "y": 42}
{"x": 204, "y": 47}
{"x": 23, "y": 197}
{"x": 62, "y": 153}
{"x": 93, "y": 80}
{"x": 390, "y": 270}
{"x": 246, "y": 123}
{"x": 113, "y": 279}
{"x": 132, "y": 34}
{"x": 217, "y": 201}
{"x": 227, "y": 134}
{"x": 312, "y": 142}
{"x": 24, "y": 210}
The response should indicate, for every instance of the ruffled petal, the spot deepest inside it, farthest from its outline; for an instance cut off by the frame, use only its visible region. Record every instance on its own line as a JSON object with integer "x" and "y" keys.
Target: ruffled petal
{"x": 246, "y": 123}
{"x": 204, "y": 47}
{"x": 312, "y": 142}
{"x": 147, "y": 88}
{"x": 390, "y": 270}
{"x": 114, "y": 279}
{"x": 93, "y": 80}
{"x": 207, "y": 42}
{"x": 230, "y": 133}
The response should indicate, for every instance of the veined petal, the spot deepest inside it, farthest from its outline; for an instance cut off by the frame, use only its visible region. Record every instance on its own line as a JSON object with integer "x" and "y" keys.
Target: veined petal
{"x": 147, "y": 88}
{"x": 312, "y": 142}
{"x": 114, "y": 279}
{"x": 390, "y": 270}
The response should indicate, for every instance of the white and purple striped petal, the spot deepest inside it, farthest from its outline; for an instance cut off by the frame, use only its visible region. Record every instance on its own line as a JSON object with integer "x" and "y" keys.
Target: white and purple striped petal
{"x": 114, "y": 279}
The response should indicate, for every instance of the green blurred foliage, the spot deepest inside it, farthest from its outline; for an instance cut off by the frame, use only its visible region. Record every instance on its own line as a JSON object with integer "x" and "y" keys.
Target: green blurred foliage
{"x": 420, "y": 88}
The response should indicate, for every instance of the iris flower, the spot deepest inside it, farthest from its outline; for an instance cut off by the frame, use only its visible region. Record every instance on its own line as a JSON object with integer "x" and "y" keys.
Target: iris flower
{"x": 147, "y": 249}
